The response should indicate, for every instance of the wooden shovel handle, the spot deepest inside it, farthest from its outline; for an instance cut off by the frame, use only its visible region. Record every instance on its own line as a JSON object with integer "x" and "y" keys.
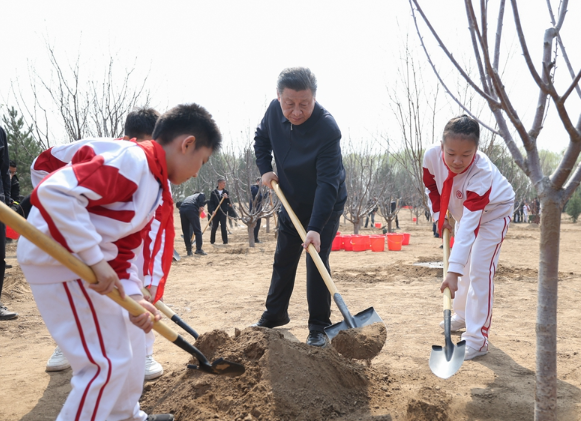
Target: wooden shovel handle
{"x": 311, "y": 249}
{"x": 213, "y": 214}
{"x": 447, "y": 294}
{"x": 160, "y": 305}
{"x": 59, "y": 253}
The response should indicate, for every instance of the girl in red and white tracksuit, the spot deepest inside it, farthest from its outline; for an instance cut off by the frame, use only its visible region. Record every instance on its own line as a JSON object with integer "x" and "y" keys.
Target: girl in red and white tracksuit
{"x": 97, "y": 207}
{"x": 462, "y": 180}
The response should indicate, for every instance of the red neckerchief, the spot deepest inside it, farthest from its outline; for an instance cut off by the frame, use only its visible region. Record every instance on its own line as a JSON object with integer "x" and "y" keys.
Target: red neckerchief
{"x": 157, "y": 165}
{"x": 447, "y": 190}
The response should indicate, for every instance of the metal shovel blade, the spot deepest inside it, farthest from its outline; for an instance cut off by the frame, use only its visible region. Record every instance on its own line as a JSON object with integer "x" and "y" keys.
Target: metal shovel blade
{"x": 220, "y": 367}
{"x": 446, "y": 361}
{"x": 365, "y": 318}
{"x": 176, "y": 256}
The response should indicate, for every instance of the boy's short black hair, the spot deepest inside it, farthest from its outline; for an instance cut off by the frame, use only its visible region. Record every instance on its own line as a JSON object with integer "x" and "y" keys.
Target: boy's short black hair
{"x": 140, "y": 122}
{"x": 12, "y": 164}
{"x": 190, "y": 119}
{"x": 463, "y": 126}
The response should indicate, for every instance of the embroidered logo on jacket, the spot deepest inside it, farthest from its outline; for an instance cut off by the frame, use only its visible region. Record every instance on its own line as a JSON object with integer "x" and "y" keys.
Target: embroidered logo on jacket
{"x": 459, "y": 195}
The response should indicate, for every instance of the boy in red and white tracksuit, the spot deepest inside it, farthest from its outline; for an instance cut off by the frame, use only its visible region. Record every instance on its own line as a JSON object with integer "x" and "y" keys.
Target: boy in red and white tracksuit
{"x": 462, "y": 180}
{"x": 97, "y": 207}
{"x": 139, "y": 126}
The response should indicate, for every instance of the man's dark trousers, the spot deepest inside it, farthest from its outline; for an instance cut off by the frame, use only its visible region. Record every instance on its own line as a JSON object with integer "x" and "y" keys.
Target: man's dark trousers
{"x": 286, "y": 259}
{"x": 2, "y": 254}
{"x": 190, "y": 218}
{"x": 257, "y": 228}
{"x": 220, "y": 218}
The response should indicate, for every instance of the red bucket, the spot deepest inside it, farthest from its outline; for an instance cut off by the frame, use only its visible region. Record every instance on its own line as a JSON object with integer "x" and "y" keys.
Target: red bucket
{"x": 378, "y": 225}
{"x": 394, "y": 241}
{"x": 361, "y": 243}
{"x": 347, "y": 245}
{"x": 337, "y": 243}
{"x": 338, "y": 233}
{"x": 406, "y": 239}
{"x": 377, "y": 242}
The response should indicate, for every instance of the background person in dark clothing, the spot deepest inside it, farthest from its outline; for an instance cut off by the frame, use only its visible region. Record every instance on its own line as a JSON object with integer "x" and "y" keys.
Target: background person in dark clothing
{"x": 255, "y": 191}
{"x": 5, "y": 314}
{"x": 190, "y": 217}
{"x": 222, "y": 213}
{"x": 14, "y": 183}
{"x": 305, "y": 141}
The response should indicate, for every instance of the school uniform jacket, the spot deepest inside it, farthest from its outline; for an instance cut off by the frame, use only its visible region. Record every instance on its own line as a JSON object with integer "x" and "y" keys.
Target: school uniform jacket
{"x": 479, "y": 194}
{"x": 57, "y": 157}
{"x": 96, "y": 206}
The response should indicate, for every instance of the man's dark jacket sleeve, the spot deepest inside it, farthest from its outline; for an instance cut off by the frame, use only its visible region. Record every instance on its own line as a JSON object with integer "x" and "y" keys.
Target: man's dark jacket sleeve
{"x": 4, "y": 164}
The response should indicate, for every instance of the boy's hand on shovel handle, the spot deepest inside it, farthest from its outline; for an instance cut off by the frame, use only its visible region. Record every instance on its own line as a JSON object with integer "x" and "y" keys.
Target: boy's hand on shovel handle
{"x": 314, "y": 238}
{"x": 107, "y": 279}
{"x": 451, "y": 282}
{"x": 143, "y": 321}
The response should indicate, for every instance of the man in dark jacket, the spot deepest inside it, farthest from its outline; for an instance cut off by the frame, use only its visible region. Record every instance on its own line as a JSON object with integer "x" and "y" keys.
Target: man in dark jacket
{"x": 190, "y": 210}
{"x": 221, "y": 212}
{"x": 14, "y": 183}
{"x": 256, "y": 204}
{"x": 305, "y": 141}
{"x": 5, "y": 314}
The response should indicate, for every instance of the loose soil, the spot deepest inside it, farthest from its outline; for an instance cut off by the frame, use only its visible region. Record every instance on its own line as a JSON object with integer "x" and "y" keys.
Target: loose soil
{"x": 362, "y": 343}
{"x": 221, "y": 294}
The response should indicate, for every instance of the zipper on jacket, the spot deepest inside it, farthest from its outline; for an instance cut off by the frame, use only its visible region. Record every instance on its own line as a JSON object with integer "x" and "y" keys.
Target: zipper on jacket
{"x": 291, "y": 127}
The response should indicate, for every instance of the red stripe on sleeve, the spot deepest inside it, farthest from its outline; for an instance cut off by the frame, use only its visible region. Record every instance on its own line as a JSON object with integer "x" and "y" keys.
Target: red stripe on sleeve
{"x": 125, "y": 247}
{"x": 56, "y": 234}
{"x": 430, "y": 183}
{"x": 118, "y": 215}
{"x": 46, "y": 161}
{"x": 474, "y": 202}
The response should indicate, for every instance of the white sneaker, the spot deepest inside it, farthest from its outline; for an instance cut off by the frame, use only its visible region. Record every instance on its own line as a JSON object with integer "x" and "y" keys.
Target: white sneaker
{"x": 455, "y": 324}
{"x": 153, "y": 369}
{"x": 57, "y": 361}
{"x": 473, "y": 353}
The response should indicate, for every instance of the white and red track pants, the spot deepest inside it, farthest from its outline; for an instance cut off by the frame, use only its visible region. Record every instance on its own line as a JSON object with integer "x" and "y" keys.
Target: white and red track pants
{"x": 475, "y": 295}
{"x": 106, "y": 352}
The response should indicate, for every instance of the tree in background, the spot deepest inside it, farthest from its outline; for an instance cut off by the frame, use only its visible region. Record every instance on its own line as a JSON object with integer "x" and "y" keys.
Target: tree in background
{"x": 85, "y": 105}
{"x": 573, "y": 208}
{"x": 553, "y": 189}
{"x": 22, "y": 146}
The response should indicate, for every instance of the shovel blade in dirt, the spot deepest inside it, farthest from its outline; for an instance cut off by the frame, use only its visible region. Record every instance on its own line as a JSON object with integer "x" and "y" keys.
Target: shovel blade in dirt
{"x": 364, "y": 318}
{"x": 176, "y": 256}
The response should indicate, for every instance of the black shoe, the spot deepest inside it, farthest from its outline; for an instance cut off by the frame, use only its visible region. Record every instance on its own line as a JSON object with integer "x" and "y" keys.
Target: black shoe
{"x": 257, "y": 241}
{"x": 8, "y": 266}
{"x": 264, "y": 322}
{"x": 317, "y": 338}
{"x": 160, "y": 417}
{"x": 201, "y": 252}
{"x": 442, "y": 246}
{"x": 189, "y": 253}
{"x": 6, "y": 314}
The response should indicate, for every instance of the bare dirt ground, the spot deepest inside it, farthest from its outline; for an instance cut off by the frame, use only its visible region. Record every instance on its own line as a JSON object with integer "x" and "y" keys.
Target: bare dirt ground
{"x": 286, "y": 380}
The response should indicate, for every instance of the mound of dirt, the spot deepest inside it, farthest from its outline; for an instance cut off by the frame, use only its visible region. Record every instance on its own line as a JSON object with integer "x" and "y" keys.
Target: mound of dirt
{"x": 284, "y": 380}
{"x": 429, "y": 405}
{"x": 362, "y": 343}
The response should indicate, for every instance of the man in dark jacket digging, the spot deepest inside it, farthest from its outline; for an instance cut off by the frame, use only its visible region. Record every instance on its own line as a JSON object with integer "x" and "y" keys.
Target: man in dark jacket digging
{"x": 305, "y": 141}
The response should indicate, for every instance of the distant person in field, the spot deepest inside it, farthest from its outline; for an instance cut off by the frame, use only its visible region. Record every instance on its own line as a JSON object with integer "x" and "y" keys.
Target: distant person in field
{"x": 462, "y": 180}
{"x": 305, "y": 141}
{"x": 139, "y": 125}
{"x": 190, "y": 210}
{"x": 221, "y": 211}
{"x": 256, "y": 203}
{"x": 5, "y": 314}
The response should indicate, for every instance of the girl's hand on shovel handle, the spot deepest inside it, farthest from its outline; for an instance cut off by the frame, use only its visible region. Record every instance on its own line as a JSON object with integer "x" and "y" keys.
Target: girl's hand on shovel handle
{"x": 143, "y": 321}
{"x": 451, "y": 282}
{"x": 107, "y": 279}
{"x": 314, "y": 238}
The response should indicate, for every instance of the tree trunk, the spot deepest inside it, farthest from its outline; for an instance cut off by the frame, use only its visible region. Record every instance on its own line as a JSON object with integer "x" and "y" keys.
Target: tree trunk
{"x": 268, "y": 225}
{"x": 356, "y": 226}
{"x": 251, "y": 234}
{"x": 389, "y": 224}
{"x": 546, "y": 329}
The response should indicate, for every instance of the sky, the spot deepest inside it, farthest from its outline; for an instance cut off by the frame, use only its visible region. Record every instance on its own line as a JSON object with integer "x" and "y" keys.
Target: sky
{"x": 226, "y": 55}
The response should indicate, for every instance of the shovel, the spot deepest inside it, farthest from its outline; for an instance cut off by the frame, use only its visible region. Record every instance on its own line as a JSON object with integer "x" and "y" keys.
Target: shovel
{"x": 446, "y": 361}
{"x": 170, "y": 314}
{"x": 212, "y": 217}
{"x": 58, "y": 252}
{"x": 364, "y": 318}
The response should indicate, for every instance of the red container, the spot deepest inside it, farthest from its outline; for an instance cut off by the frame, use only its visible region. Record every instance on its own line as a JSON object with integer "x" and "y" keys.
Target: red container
{"x": 361, "y": 243}
{"x": 10, "y": 233}
{"x": 338, "y": 233}
{"x": 406, "y": 239}
{"x": 378, "y": 225}
{"x": 394, "y": 241}
{"x": 377, "y": 242}
{"x": 414, "y": 219}
{"x": 347, "y": 245}
{"x": 337, "y": 243}
{"x": 203, "y": 215}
